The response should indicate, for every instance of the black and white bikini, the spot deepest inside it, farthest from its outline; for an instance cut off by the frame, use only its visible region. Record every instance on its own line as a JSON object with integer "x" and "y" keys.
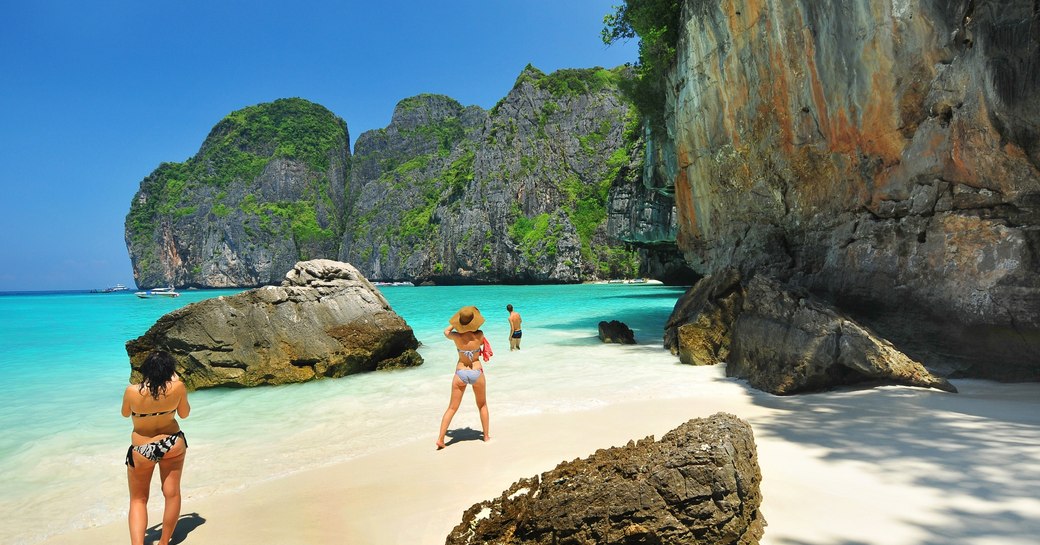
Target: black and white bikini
{"x": 155, "y": 450}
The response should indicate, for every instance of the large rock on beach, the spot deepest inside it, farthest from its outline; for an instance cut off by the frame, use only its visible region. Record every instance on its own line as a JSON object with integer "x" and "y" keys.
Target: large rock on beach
{"x": 783, "y": 340}
{"x": 786, "y": 342}
{"x": 698, "y": 485}
{"x": 325, "y": 320}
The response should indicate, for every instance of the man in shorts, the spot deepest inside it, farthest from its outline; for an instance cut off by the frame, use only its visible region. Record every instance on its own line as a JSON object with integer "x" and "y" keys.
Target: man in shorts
{"x": 514, "y": 328}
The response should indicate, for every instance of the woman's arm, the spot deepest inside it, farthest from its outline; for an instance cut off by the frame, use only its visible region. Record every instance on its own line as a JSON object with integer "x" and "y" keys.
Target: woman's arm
{"x": 447, "y": 331}
{"x": 126, "y": 400}
{"x": 183, "y": 408}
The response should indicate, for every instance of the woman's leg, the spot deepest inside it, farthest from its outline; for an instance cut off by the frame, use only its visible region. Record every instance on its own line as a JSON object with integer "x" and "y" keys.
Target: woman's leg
{"x": 170, "y": 476}
{"x": 457, "y": 389}
{"x": 480, "y": 392}
{"x": 139, "y": 478}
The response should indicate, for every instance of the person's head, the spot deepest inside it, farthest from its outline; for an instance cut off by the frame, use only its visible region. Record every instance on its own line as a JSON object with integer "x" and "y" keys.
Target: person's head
{"x": 467, "y": 319}
{"x": 156, "y": 371}
{"x": 509, "y": 308}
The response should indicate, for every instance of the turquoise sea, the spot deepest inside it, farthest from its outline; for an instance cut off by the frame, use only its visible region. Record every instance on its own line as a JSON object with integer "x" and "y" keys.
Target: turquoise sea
{"x": 63, "y": 368}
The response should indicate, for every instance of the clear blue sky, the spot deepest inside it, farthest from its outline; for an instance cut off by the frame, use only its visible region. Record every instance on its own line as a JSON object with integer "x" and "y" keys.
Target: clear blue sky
{"x": 94, "y": 95}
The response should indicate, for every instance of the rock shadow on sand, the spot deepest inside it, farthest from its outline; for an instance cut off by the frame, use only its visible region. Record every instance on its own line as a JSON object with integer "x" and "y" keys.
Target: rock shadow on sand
{"x": 185, "y": 525}
{"x": 979, "y": 444}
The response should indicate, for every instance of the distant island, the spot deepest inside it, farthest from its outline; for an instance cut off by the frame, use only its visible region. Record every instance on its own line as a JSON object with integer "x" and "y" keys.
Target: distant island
{"x": 522, "y": 193}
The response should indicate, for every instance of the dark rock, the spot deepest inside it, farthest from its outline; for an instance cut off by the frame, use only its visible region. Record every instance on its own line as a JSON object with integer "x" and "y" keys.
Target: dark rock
{"x": 786, "y": 342}
{"x": 324, "y": 321}
{"x": 782, "y": 340}
{"x": 616, "y": 332}
{"x": 698, "y": 330}
{"x": 699, "y": 485}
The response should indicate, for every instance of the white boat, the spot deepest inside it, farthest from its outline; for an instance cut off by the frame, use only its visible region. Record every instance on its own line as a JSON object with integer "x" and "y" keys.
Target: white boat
{"x": 158, "y": 292}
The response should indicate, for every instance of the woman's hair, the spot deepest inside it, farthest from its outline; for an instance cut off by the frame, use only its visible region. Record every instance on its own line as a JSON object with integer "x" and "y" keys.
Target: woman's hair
{"x": 157, "y": 370}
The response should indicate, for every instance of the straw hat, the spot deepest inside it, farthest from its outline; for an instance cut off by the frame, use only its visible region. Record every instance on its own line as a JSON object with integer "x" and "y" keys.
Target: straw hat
{"x": 467, "y": 319}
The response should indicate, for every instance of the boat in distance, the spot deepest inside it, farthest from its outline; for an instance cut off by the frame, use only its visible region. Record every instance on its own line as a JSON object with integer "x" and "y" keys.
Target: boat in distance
{"x": 158, "y": 292}
{"x": 111, "y": 289}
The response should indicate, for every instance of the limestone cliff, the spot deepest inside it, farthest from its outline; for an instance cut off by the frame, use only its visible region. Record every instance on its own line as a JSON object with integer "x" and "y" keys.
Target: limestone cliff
{"x": 515, "y": 194}
{"x": 265, "y": 190}
{"x": 445, "y": 193}
{"x": 884, "y": 155}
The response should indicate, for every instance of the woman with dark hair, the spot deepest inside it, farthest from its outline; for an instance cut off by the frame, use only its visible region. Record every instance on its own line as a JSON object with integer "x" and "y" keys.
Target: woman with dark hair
{"x": 157, "y": 439}
{"x": 464, "y": 329}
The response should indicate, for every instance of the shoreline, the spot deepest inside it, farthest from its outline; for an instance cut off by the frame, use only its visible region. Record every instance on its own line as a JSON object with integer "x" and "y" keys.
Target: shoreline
{"x": 889, "y": 465}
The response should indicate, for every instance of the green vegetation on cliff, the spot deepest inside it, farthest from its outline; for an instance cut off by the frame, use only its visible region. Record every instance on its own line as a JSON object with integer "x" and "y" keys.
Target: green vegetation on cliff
{"x": 220, "y": 185}
{"x": 656, "y": 23}
{"x": 445, "y": 191}
{"x": 241, "y": 145}
{"x": 571, "y": 82}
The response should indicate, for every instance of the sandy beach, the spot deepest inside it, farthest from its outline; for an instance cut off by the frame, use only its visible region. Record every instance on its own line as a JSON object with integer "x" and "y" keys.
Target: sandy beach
{"x": 886, "y": 465}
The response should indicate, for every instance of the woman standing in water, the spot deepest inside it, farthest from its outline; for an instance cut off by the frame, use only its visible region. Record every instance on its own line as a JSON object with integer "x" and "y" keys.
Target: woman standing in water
{"x": 464, "y": 330}
{"x": 157, "y": 439}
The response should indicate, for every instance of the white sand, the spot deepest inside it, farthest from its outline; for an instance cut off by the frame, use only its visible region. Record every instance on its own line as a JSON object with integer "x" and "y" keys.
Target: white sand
{"x": 885, "y": 466}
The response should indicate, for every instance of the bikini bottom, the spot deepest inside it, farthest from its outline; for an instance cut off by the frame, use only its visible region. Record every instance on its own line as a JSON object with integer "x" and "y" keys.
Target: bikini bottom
{"x": 469, "y": 376}
{"x": 155, "y": 450}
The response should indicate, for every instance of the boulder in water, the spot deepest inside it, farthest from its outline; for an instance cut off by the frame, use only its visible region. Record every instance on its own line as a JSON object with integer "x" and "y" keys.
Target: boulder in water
{"x": 616, "y": 332}
{"x": 325, "y": 320}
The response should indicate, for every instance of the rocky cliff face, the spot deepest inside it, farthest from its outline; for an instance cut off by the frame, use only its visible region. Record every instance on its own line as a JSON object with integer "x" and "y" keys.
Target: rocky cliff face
{"x": 514, "y": 194}
{"x": 265, "y": 190}
{"x": 445, "y": 193}
{"x": 641, "y": 213}
{"x": 884, "y": 155}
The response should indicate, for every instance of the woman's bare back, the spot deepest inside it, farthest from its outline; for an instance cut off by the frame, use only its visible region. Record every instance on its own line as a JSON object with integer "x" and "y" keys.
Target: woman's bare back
{"x": 155, "y": 417}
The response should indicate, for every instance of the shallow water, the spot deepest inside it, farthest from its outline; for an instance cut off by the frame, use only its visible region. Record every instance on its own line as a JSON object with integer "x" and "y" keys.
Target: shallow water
{"x": 63, "y": 368}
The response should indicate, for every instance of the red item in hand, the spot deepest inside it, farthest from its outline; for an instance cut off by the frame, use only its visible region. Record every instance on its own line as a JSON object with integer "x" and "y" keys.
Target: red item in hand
{"x": 485, "y": 350}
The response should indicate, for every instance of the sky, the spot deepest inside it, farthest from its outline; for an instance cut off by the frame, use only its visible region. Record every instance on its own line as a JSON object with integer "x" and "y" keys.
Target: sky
{"x": 95, "y": 95}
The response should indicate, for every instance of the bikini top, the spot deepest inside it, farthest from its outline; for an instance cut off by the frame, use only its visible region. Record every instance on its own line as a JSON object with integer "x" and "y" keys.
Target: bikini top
{"x": 132, "y": 413}
{"x": 471, "y": 353}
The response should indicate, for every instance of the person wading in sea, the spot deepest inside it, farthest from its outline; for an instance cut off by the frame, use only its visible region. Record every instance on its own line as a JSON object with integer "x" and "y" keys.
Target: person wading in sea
{"x": 514, "y": 328}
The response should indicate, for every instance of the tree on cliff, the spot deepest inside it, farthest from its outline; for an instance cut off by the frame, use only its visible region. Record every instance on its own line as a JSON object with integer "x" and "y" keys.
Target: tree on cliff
{"x": 656, "y": 23}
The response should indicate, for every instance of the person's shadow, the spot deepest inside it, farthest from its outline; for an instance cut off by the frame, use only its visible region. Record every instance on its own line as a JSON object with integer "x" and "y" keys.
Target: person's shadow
{"x": 185, "y": 525}
{"x": 463, "y": 434}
